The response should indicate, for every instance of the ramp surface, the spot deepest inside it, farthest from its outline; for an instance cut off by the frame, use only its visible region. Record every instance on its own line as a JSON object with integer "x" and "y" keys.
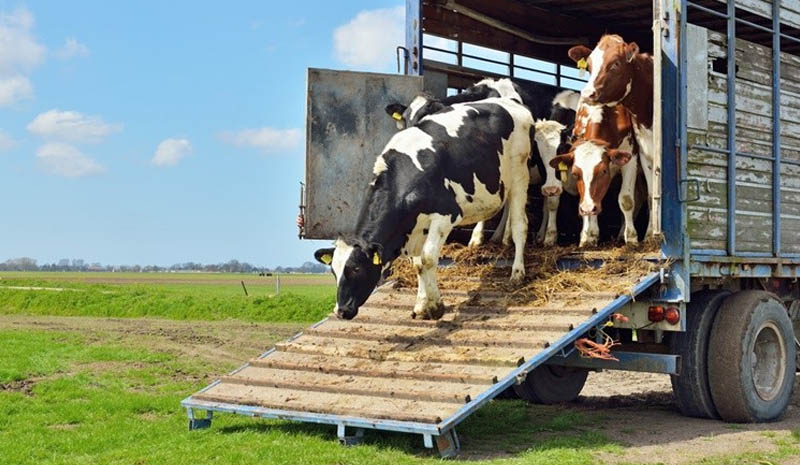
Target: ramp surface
{"x": 385, "y": 370}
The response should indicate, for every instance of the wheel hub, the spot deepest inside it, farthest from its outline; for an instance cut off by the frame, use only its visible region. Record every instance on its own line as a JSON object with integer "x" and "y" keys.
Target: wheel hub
{"x": 768, "y": 356}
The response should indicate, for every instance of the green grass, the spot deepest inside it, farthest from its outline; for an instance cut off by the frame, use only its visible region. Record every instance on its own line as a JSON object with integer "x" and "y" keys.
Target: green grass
{"x": 109, "y": 403}
{"x": 183, "y": 296}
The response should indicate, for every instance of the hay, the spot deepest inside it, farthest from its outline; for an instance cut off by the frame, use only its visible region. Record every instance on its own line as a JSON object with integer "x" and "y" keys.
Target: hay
{"x": 488, "y": 268}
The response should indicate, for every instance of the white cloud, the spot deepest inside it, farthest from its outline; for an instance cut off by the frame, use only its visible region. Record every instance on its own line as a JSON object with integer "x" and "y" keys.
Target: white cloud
{"x": 65, "y": 160}
{"x": 19, "y": 50}
{"x": 14, "y": 88}
{"x": 170, "y": 151}
{"x": 370, "y": 39}
{"x": 6, "y": 141}
{"x": 20, "y": 53}
{"x": 72, "y": 49}
{"x": 266, "y": 139}
{"x": 71, "y": 126}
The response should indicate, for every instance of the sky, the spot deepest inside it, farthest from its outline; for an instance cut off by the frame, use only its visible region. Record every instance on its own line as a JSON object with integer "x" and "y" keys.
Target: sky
{"x": 155, "y": 132}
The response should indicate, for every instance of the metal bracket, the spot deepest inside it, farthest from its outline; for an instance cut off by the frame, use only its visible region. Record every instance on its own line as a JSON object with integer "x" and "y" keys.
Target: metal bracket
{"x": 345, "y": 440}
{"x": 447, "y": 444}
{"x": 199, "y": 423}
{"x": 684, "y": 193}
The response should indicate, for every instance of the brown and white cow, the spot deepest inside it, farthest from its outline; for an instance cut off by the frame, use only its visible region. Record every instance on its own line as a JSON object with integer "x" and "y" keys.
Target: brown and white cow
{"x": 621, "y": 75}
{"x": 603, "y": 148}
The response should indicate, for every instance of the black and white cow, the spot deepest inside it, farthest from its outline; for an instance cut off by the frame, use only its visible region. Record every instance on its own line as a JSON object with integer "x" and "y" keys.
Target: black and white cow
{"x": 458, "y": 166}
{"x": 544, "y": 102}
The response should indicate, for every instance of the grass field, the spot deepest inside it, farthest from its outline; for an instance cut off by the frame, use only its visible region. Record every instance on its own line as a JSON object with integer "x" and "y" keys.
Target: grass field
{"x": 80, "y": 385}
{"x": 201, "y": 296}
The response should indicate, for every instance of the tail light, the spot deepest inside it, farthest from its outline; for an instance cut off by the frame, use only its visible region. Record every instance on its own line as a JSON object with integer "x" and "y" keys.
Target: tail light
{"x": 672, "y": 315}
{"x": 655, "y": 313}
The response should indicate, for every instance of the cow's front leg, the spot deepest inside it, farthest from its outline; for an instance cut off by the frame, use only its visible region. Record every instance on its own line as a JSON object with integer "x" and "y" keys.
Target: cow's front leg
{"x": 429, "y": 304}
{"x": 477, "y": 235}
{"x": 627, "y": 201}
{"x": 590, "y": 233}
{"x": 551, "y": 207}
{"x": 646, "y": 161}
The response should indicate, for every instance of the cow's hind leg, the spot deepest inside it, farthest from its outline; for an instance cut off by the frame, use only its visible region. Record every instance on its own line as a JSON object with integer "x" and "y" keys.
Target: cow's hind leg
{"x": 518, "y": 223}
{"x": 499, "y": 233}
{"x": 590, "y": 232}
{"x": 551, "y": 212}
{"x": 429, "y": 304}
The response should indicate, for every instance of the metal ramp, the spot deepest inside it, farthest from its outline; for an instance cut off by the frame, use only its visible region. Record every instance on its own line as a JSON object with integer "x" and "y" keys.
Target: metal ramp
{"x": 384, "y": 370}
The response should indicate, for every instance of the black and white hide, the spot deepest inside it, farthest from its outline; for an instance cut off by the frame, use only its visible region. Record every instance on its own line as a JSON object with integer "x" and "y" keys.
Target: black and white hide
{"x": 458, "y": 166}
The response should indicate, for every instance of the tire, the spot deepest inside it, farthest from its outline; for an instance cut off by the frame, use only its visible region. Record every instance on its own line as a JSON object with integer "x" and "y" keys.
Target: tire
{"x": 751, "y": 358}
{"x": 691, "y": 389}
{"x": 551, "y": 384}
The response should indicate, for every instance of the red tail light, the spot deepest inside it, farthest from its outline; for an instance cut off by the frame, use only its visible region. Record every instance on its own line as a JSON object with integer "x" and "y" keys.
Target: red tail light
{"x": 655, "y": 313}
{"x": 672, "y": 315}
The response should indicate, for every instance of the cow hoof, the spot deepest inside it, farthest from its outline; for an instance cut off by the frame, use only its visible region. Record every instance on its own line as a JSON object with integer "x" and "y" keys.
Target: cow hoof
{"x": 474, "y": 243}
{"x": 430, "y": 313}
{"x": 590, "y": 242}
{"x": 517, "y": 275}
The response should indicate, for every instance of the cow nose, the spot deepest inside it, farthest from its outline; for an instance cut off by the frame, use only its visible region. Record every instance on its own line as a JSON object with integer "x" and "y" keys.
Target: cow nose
{"x": 551, "y": 191}
{"x": 589, "y": 211}
{"x": 346, "y": 313}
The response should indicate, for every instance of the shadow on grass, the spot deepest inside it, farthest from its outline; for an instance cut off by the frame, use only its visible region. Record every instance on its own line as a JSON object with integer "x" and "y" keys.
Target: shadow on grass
{"x": 503, "y": 429}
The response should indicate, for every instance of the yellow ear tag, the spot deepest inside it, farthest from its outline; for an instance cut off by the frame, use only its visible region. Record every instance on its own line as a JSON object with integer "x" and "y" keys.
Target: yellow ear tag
{"x": 397, "y": 116}
{"x": 582, "y": 65}
{"x": 562, "y": 169}
{"x": 326, "y": 259}
{"x": 376, "y": 259}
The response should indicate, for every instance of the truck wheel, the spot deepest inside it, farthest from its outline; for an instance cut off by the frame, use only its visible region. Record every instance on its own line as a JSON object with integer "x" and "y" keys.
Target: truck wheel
{"x": 690, "y": 387}
{"x": 751, "y": 358}
{"x": 551, "y": 384}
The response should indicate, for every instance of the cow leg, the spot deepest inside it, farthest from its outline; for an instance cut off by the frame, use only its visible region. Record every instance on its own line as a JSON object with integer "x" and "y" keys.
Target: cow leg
{"x": 590, "y": 232}
{"x": 626, "y": 200}
{"x": 647, "y": 168}
{"x": 476, "y": 239}
{"x": 518, "y": 223}
{"x": 429, "y": 304}
{"x": 551, "y": 207}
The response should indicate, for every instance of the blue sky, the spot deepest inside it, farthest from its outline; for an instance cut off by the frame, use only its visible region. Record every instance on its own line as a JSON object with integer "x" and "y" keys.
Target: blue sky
{"x": 155, "y": 132}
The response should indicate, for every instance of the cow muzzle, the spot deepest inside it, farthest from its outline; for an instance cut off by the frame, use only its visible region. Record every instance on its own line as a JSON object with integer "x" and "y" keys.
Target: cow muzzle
{"x": 551, "y": 191}
{"x": 346, "y": 313}
{"x": 589, "y": 210}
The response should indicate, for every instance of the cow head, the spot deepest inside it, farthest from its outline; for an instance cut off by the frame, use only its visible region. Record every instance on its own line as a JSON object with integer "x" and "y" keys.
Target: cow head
{"x": 591, "y": 162}
{"x": 611, "y": 69}
{"x": 548, "y": 140}
{"x": 357, "y": 269}
{"x": 407, "y": 116}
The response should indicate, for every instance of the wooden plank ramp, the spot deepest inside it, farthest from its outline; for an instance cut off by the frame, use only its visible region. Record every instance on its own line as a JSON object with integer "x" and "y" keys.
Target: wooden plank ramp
{"x": 385, "y": 370}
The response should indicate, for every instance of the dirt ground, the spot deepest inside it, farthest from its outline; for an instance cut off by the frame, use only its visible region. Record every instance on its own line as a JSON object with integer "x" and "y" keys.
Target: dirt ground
{"x": 637, "y": 408}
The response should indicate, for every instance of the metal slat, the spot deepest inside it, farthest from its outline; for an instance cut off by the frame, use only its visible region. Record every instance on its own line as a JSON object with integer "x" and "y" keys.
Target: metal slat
{"x": 776, "y": 128}
{"x": 731, "y": 90}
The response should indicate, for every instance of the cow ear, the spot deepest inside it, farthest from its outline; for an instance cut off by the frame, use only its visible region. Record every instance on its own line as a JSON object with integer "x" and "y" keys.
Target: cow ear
{"x": 395, "y": 110}
{"x": 631, "y": 50}
{"x": 579, "y": 52}
{"x": 566, "y": 159}
{"x": 324, "y": 256}
{"x": 619, "y": 157}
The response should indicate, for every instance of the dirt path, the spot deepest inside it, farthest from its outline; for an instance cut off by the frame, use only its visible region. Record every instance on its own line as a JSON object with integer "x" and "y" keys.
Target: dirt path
{"x": 637, "y": 408}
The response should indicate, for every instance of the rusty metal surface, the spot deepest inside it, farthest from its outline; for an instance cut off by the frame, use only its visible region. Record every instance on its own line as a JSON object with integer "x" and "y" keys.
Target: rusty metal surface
{"x": 346, "y": 129}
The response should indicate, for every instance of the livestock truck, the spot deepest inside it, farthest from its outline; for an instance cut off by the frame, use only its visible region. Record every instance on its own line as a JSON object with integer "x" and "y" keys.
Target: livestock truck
{"x": 719, "y": 316}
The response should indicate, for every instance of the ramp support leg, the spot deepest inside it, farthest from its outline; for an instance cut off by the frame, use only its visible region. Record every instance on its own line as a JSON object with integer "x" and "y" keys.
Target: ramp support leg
{"x": 345, "y": 440}
{"x": 198, "y": 423}
{"x": 447, "y": 443}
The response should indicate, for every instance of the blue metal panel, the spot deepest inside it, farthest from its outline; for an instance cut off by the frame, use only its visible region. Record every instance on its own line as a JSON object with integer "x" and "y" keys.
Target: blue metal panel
{"x": 776, "y": 128}
{"x": 731, "y": 127}
{"x": 629, "y": 361}
{"x": 414, "y": 36}
{"x": 673, "y": 163}
{"x": 600, "y": 317}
